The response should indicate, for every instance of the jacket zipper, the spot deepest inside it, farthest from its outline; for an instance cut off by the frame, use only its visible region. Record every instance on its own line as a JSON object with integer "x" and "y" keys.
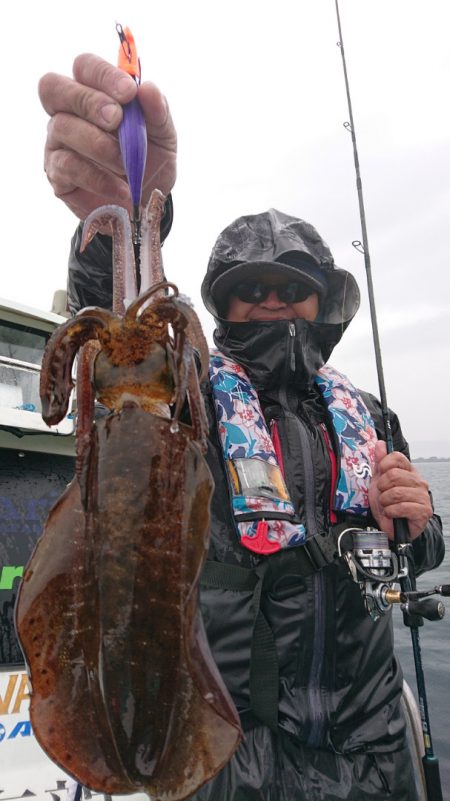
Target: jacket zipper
{"x": 316, "y": 700}
{"x": 292, "y": 333}
{"x": 309, "y": 493}
{"x": 317, "y": 706}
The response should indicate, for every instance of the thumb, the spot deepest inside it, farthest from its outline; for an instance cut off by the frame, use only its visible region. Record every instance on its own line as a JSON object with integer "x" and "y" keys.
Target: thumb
{"x": 156, "y": 109}
{"x": 380, "y": 453}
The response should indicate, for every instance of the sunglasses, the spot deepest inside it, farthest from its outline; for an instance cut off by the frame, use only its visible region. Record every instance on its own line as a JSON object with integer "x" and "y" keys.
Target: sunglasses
{"x": 256, "y": 292}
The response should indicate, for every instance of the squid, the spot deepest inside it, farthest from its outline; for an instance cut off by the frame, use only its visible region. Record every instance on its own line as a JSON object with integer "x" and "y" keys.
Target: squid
{"x": 126, "y": 696}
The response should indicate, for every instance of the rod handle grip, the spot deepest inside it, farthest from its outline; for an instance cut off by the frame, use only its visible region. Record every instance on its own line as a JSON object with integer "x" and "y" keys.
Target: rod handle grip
{"x": 401, "y": 531}
{"x": 432, "y": 778}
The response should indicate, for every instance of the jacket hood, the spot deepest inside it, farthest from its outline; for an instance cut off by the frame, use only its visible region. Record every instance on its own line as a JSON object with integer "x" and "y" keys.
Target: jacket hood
{"x": 273, "y": 240}
{"x": 278, "y": 353}
{"x": 269, "y": 350}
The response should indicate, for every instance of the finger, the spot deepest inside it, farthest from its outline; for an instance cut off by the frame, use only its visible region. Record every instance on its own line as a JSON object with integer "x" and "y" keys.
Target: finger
{"x": 157, "y": 115}
{"x": 416, "y": 514}
{"x": 154, "y": 105}
{"x": 64, "y": 131}
{"x": 380, "y": 451}
{"x": 161, "y": 162}
{"x": 97, "y": 104}
{"x": 58, "y": 93}
{"x": 91, "y": 70}
{"x": 82, "y": 203}
{"x": 401, "y": 477}
{"x": 67, "y": 172}
{"x": 394, "y": 460}
{"x": 405, "y": 494}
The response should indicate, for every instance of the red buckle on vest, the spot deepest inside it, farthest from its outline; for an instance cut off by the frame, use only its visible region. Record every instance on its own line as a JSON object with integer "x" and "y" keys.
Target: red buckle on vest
{"x": 260, "y": 542}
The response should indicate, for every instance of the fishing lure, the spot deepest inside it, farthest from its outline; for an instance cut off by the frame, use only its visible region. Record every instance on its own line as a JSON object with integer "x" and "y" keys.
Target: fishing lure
{"x": 132, "y": 129}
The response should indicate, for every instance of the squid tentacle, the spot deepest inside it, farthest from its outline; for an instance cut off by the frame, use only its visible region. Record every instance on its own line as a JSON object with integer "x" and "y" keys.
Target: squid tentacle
{"x": 116, "y": 220}
{"x": 104, "y": 315}
{"x": 151, "y": 261}
{"x": 134, "y": 308}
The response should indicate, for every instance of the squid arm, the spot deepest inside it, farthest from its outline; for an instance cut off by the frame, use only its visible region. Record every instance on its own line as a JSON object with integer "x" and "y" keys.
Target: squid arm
{"x": 115, "y": 220}
{"x": 188, "y": 341}
{"x": 194, "y": 333}
{"x": 85, "y": 409}
{"x": 56, "y": 373}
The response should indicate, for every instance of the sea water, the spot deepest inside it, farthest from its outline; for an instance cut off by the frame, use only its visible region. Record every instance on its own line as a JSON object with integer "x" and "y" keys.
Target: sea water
{"x": 434, "y": 635}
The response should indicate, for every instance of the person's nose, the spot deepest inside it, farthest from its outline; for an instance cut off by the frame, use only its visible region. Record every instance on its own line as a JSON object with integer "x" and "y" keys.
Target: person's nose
{"x": 273, "y": 301}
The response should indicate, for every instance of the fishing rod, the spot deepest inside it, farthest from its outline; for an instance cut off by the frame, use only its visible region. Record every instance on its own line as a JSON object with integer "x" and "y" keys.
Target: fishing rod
{"x": 412, "y": 606}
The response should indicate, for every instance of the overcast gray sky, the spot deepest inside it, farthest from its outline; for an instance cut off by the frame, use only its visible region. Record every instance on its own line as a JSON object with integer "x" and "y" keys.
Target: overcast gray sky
{"x": 257, "y": 93}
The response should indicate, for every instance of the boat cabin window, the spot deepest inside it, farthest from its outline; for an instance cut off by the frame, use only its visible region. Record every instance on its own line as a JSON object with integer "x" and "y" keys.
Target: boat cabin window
{"x": 23, "y": 344}
{"x": 21, "y": 351}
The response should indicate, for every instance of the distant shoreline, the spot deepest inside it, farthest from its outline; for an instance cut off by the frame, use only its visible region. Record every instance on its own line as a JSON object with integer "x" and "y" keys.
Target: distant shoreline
{"x": 431, "y": 459}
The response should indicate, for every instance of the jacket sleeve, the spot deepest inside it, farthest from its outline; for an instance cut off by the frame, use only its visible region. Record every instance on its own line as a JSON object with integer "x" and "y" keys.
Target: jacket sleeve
{"x": 90, "y": 273}
{"x": 428, "y": 547}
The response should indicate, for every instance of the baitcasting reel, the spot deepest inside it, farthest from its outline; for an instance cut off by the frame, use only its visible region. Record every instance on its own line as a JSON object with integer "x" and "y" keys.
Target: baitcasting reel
{"x": 376, "y": 568}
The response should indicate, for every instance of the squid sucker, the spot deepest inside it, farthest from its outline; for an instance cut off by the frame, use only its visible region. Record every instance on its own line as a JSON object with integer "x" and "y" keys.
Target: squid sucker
{"x": 126, "y": 696}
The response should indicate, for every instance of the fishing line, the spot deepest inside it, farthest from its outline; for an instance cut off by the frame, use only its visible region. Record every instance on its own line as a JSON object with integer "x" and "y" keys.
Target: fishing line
{"x": 402, "y": 541}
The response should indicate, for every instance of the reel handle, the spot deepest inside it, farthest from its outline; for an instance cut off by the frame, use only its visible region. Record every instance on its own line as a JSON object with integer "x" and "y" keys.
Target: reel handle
{"x": 429, "y": 608}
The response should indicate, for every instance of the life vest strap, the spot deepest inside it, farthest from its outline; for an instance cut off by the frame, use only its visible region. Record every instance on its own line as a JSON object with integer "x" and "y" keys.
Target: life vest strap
{"x": 263, "y": 660}
{"x": 293, "y": 565}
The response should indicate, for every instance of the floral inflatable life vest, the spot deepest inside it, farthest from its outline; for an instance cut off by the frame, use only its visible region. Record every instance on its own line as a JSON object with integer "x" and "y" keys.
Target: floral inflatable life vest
{"x": 263, "y": 511}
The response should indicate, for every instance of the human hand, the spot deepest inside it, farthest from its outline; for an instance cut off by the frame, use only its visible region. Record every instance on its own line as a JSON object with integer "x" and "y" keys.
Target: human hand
{"x": 82, "y": 155}
{"x": 398, "y": 490}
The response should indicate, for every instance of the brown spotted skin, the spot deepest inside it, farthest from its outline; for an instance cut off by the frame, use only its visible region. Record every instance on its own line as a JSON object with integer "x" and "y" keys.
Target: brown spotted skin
{"x": 125, "y": 694}
{"x": 108, "y": 619}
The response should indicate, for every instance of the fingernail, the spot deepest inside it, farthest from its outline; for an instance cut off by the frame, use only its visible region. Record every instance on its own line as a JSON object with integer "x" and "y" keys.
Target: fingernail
{"x": 123, "y": 86}
{"x": 109, "y": 112}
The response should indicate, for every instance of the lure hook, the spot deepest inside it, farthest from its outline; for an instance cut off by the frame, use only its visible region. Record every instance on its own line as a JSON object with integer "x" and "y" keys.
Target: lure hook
{"x": 129, "y": 61}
